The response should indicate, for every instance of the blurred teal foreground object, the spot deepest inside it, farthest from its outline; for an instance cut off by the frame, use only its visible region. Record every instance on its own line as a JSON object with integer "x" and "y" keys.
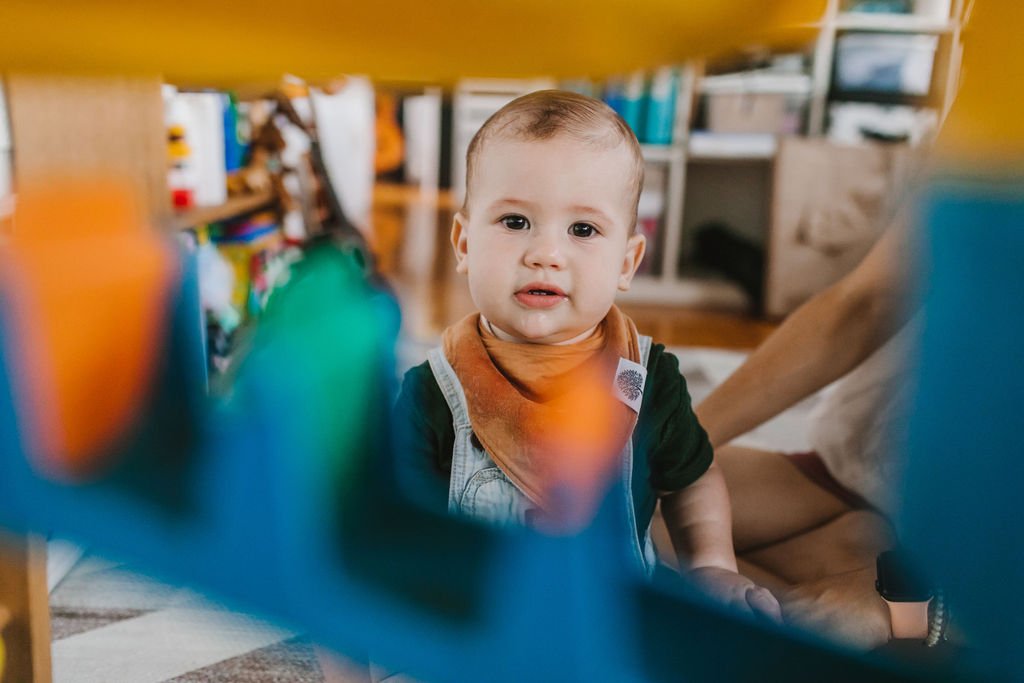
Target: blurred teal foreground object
{"x": 963, "y": 502}
{"x": 323, "y": 353}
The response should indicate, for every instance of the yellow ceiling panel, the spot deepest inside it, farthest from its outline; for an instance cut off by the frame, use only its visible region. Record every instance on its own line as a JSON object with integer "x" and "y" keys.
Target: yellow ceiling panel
{"x": 984, "y": 126}
{"x": 216, "y": 43}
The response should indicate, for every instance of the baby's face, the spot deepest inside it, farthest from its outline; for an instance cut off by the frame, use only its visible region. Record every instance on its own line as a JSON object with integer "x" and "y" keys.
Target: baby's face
{"x": 546, "y": 242}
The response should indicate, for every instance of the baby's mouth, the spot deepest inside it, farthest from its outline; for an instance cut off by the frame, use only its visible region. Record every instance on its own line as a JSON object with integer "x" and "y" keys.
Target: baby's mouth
{"x": 538, "y": 295}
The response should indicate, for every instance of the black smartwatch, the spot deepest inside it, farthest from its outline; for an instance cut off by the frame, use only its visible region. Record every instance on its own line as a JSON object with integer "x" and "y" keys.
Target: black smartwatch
{"x": 906, "y": 594}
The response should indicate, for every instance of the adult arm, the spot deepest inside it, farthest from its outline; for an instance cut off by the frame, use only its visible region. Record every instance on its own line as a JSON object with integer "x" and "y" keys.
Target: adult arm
{"x": 820, "y": 342}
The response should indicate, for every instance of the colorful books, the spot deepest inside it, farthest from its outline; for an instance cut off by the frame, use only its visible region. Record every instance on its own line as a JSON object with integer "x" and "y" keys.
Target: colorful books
{"x": 648, "y": 106}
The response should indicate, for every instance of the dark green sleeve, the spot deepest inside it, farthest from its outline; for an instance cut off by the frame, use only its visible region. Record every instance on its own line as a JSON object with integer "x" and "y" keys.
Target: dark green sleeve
{"x": 678, "y": 450}
{"x": 424, "y": 438}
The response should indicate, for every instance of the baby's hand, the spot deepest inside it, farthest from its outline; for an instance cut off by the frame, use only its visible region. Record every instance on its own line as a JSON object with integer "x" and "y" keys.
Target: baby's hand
{"x": 737, "y": 591}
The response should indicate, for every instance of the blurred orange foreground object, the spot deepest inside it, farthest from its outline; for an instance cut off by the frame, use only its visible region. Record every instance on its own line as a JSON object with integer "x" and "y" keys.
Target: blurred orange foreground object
{"x": 196, "y": 42}
{"x": 86, "y": 288}
{"x": 582, "y": 441}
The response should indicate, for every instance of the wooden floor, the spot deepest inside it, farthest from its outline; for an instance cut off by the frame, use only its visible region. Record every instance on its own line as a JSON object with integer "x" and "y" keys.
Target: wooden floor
{"x": 412, "y": 248}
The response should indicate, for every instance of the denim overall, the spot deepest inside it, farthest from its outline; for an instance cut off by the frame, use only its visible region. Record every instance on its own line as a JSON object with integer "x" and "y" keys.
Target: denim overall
{"x": 479, "y": 488}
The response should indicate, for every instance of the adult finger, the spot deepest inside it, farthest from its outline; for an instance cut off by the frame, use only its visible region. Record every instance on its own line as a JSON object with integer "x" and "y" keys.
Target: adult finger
{"x": 762, "y": 602}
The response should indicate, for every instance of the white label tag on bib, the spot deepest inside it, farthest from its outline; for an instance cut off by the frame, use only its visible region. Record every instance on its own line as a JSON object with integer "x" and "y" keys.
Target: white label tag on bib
{"x": 629, "y": 383}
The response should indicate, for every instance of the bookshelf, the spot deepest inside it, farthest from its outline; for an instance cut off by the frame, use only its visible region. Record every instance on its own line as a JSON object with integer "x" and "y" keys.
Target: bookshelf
{"x": 711, "y": 176}
{"x": 942, "y": 18}
{"x": 712, "y": 165}
{"x": 725, "y": 146}
{"x": 664, "y": 285}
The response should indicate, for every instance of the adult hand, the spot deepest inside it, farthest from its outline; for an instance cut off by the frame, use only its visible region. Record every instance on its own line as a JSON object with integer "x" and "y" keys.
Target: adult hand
{"x": 737, "y": 591}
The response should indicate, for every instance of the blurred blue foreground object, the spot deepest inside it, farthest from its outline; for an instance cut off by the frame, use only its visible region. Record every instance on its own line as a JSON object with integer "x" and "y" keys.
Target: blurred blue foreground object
{"x": 963, "y": 504}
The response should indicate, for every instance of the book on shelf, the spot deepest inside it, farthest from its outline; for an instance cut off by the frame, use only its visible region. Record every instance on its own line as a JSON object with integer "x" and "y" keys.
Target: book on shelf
{"x": 199, "y": 174}
{"x": 661, "y": 107}
{"x": 647, "y": 105}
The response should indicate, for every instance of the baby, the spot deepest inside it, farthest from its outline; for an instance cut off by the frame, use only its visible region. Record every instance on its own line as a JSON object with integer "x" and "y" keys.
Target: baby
{"x": 533, "y": 400}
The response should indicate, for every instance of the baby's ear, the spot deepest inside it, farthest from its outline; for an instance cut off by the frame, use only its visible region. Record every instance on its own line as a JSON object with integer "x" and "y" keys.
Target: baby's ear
{"x": 460, "y": 242}
{"x": 636, "y": 246}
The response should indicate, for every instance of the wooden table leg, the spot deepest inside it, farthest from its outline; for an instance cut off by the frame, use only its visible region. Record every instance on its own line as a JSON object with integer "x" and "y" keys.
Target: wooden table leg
{"x": 24, "y": 595}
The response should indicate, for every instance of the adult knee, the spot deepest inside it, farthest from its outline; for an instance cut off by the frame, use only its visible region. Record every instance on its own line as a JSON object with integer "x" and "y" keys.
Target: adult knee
{"x": 864, "y": 533}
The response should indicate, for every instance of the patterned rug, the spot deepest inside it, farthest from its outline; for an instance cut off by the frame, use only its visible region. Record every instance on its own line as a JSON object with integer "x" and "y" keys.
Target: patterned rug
{"x": 110, "y": 625}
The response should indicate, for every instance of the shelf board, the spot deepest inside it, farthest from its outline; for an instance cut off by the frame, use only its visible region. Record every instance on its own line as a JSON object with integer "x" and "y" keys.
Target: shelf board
{"x": 706, "y": 293}
{"x": 235, "y": 206}
{"x": 740, "y": 146}
{"x": 663, "y": 153}
{"x": 757, "y": 82}
{"x": 400, "y": 195}
{"x": 897, "y": 23}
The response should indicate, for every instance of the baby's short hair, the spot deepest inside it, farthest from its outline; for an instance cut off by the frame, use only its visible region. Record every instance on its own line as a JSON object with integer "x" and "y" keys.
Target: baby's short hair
{"x": 545, "y": 114}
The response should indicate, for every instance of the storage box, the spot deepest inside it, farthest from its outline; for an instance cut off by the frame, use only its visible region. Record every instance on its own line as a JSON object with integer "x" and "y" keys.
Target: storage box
{"x": 756, "y": 102}
{"x": 747, "y": 113}
{"x": 885, "y": 64}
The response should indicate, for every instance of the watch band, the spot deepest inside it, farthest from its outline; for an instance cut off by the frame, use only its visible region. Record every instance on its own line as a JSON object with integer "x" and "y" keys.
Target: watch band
{"x": 906, "y": 594}
{"x": 938, "y": 619}
{"x": 909, "y": 619}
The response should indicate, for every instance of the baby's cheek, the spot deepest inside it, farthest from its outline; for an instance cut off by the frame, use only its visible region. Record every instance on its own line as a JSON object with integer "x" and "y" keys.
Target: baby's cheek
{"x": 595, "y": 306}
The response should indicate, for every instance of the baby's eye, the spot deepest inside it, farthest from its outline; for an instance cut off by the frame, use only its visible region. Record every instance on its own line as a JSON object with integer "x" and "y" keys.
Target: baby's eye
{"x": 515, "y": 222}
{"x": 582, "y": 230}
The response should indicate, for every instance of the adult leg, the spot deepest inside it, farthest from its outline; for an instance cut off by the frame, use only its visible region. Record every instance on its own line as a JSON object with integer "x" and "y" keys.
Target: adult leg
{"x": 847, "y": 543}
{"x": 811, "y": 549}
{"x": 831, "y": 575}
{"x": 771, "y": 499}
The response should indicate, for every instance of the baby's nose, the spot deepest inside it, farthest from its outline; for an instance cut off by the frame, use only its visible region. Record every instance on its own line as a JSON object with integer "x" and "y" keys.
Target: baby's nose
{"x": 545, "y": 251}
